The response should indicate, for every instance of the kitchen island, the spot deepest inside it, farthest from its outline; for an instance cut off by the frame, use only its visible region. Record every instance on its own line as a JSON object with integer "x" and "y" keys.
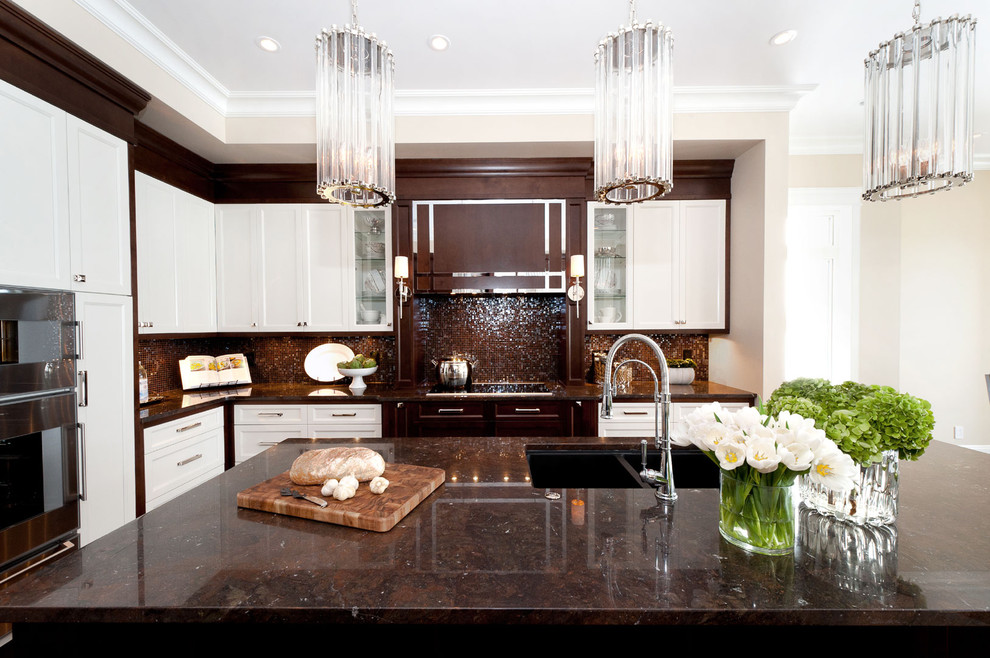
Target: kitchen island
{"x": 487, "y": 550}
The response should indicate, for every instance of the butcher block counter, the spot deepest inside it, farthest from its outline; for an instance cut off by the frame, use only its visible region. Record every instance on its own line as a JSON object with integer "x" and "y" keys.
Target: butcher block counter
{"x": 487, "y": 555}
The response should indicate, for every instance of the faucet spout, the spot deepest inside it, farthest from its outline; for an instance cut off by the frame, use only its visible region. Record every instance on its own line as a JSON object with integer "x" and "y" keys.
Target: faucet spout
{"x": 663, "y": 478}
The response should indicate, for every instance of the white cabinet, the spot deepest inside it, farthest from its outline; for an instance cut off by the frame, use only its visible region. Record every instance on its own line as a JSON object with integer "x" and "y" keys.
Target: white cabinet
{"x": 63, "y": 199}
{"x": 637, "y": 419}
{"x": 176, "y": 259}
{"x": 658, "y": 266}
{"x": 181, "y": 454}
{"x": 106, "y": 413}
{"x": 99, "y": 210}
{"x": 258, "y": 427}
{"x": 297, "y": 268}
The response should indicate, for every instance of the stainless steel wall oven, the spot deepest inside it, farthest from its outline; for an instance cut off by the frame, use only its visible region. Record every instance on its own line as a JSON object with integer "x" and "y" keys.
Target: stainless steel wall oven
{"x": 39, "y": 478}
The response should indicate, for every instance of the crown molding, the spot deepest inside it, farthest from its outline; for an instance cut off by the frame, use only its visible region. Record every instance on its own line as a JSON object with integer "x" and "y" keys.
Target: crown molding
{"x": 127, "y": 23}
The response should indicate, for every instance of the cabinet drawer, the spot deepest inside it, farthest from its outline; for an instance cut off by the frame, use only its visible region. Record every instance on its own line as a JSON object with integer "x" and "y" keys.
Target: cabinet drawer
{"x": 251, "y": 440}
{"x": 263, "y": 414}
{"x": 450, "y": 409}
{"x": 178, "y": 467}
{"x": 356, "y": 431}
{"x": 160, "y": 436}
{"x": 345, "y": 414}
{"x": 528, "y": 409}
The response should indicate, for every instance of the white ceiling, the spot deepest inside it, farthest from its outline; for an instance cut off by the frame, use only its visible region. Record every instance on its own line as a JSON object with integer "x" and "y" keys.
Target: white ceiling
{"x": 506, "y": 57}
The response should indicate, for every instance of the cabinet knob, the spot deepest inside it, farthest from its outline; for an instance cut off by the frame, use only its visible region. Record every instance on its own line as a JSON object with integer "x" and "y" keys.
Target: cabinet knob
{"x": 254, "y": 324}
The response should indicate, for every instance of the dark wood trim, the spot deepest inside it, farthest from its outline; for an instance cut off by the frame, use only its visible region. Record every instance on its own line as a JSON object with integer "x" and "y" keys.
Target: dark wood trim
{"x": 163, "y": 159}
{"x": 44, "y": 63}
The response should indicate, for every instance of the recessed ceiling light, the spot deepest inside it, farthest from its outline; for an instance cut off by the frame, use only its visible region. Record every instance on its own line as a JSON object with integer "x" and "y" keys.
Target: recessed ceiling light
{"x": 781, "y": 38}
{"x": 439, "y": 42}
{"x": 268, "y": 44}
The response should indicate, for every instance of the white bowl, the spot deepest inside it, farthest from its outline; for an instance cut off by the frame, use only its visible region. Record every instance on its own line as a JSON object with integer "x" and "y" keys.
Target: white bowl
{"x": 357, "y": 375}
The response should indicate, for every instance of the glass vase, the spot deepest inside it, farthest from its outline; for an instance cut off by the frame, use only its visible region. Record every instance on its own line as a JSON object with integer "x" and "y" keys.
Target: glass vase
{"x": 756, "y": 518}
{"x": 872, "y": 501}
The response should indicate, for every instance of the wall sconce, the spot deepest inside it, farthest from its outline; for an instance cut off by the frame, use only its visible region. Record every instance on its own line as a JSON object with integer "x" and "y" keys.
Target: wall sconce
{"x": 576, "y": 293}
{"x": 401, "y": 271}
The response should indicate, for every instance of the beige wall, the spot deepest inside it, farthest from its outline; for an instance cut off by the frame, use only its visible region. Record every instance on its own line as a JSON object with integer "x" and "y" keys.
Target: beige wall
{"x": 924, "y": 287}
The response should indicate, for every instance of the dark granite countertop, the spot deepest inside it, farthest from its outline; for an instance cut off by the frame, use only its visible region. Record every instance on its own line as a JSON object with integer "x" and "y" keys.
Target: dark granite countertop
{"x": 486, "y": 547}
{"x": 178, "y": 403}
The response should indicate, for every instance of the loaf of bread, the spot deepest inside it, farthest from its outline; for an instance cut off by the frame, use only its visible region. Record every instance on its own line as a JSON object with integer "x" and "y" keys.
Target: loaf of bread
{"x": 318, "y": 466}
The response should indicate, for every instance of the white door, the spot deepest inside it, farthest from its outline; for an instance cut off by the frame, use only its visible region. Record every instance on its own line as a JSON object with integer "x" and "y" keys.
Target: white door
{"x": 106, "y": 413}
{"x": 655, "y": 261}
{"x": 34, "y": 208}
{"x": 821, "y": 292}
{"x": 99, "y": 209}
{"x": 237, "y": 274}
{"x": 702, "y": 265}
{"x": 280, "y": 269}
{"x": 195, "y": 264}
{"x": 323, "y": 244}
{"x": 156, "y": 258}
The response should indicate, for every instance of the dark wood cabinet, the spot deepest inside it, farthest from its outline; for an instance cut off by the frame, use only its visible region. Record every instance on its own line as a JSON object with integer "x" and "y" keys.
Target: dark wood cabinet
{"x": 489, "y": 246}
{"x": 502, "y": 417}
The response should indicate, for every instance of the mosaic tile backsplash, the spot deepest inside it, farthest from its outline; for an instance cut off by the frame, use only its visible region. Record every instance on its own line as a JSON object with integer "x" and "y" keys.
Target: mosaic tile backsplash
{"x": 272, "y": 359}
{"x": 673, "y": 346}
{"x": 515, "y": 338}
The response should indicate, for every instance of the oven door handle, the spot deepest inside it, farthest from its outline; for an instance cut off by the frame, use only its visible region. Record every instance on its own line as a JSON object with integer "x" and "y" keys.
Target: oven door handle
{"x": 81, "y": 427}
{"x": 79, "y": 339}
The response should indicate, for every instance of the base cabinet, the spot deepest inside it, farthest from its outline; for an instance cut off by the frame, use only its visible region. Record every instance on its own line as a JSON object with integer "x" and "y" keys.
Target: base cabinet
{"x": 637, "y": 419}
{"x": 259, "y": 427}
{"x": 464, "y": 417}
{"x": 181, "y": 454}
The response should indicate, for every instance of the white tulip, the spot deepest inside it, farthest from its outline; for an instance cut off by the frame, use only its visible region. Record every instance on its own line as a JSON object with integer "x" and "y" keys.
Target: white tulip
{"x": 761, "y": 454}
{"x": 730, "y": 454}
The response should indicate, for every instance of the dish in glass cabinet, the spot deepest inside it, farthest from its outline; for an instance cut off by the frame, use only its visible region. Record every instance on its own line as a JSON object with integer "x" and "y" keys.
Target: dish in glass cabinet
{"x": 321, "y": 362}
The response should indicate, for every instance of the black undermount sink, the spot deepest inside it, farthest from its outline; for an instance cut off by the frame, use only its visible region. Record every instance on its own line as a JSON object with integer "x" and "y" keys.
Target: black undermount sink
{"x": 615, "y": 469}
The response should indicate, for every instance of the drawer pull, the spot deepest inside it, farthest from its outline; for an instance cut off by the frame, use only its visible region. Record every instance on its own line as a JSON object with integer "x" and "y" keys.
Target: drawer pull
{"x": 353, "y": 413}
{"x": 188, "y": 427}
{"x": 527, "y": 411}
{"x": 636, "y": 413}
{"x": 277, "y": 414}
{"x": 267, "y": 443}
{"x": 450, "y": 411}
{"x": 191, "y": 459}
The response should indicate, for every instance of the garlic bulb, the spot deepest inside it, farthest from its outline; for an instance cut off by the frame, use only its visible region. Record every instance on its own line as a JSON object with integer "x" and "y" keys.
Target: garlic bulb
{"x": 378, "y": 485}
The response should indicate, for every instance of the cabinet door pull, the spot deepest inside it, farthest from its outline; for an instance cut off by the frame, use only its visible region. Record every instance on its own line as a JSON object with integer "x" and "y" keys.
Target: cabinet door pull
{"x": 450, "y": 411}
{"x": 84, "y": 385}
{"x": 191, "y": 459}
{"x": 527, "y": 411}
{"x": 79, "y": 278}
{"x": 276, "y": 414}
{"x": 636, "y": 413}
{"x": 82, "y": 460}
{"x": 188, "y": 427}
{"x": 353, "y": 413}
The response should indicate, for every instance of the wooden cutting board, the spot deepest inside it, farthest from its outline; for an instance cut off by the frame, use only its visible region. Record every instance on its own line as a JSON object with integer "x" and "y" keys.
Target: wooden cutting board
{"x": 408, "y": 487}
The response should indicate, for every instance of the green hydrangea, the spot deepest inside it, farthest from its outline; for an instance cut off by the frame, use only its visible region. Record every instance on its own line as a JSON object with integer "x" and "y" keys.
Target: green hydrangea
{"x": 864, "y": 421}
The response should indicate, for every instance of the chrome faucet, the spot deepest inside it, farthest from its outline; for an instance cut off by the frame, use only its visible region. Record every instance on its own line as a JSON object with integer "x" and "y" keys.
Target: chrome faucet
{"x": 663, "y": 477}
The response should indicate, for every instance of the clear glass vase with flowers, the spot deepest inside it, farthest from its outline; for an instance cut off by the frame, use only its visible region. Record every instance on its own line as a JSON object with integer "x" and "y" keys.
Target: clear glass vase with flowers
{"x": 759, "y": 458}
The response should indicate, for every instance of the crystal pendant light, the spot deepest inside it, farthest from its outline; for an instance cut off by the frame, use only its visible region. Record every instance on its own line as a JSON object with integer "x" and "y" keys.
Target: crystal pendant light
{"x": 633, "y": 113}
{"x": 355, "y": 132}
{"x": 919, "y": 110}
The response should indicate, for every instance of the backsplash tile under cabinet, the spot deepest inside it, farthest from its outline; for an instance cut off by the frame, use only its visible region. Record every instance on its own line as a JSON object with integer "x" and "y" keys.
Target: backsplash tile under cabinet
{"x": 674, "y": 346}
{"x": 272, "y": 359}
{"x": 513, "y": 338}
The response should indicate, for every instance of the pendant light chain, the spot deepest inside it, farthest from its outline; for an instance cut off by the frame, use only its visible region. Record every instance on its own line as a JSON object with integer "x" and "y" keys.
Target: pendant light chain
{"x": 916, "y": 13}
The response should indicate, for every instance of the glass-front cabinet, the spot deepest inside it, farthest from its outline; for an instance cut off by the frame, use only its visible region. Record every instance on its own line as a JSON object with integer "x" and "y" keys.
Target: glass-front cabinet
{"x": 608, "y": 285}
{"x": 372, "y": 269}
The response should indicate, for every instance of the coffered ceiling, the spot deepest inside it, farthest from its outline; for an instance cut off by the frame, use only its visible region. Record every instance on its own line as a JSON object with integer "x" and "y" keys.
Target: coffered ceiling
{"x": 218, "y": 93}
